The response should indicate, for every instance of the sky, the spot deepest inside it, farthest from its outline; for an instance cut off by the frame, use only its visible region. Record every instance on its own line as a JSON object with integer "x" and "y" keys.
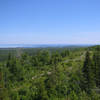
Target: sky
{"x": 49, "y": 21}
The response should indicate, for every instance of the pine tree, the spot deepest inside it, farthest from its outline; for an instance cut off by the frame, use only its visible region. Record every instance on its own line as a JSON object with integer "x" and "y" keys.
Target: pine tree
{"x": 87, "y": 82}
{"x": 41, "y": 91}
{"x": 96, "y": 60}
{"x": 3, "y": 89}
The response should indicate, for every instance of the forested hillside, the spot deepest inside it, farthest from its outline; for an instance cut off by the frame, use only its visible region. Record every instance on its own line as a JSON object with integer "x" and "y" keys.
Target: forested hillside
{"x": 50, "y": 74}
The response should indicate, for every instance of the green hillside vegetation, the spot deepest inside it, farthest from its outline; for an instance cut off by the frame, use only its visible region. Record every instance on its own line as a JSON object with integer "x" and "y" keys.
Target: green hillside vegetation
{"x": 50, "y": 73}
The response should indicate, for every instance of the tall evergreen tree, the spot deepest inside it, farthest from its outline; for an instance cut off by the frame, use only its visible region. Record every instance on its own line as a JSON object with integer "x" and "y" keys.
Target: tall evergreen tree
{"x": 96, "y": 60}
{"x": 87, "y": 81}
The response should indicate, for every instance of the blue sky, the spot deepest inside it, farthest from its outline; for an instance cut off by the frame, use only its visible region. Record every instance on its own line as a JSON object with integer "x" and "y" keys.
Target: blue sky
{"x": 49, "y": 21}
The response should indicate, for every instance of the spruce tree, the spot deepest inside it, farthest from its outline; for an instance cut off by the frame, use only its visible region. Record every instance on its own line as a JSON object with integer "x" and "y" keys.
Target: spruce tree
{"x": 87, "y": 81}
{"x": 96, "y": 60}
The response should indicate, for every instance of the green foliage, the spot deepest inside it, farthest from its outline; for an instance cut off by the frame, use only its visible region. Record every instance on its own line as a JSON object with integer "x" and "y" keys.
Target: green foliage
{"x": 88, "y": 82}
{"x": 73, "y": 96}
{"x": 41, "y": 91}
{"x": 96, "y": 60}
{"x": 50, "y": 74}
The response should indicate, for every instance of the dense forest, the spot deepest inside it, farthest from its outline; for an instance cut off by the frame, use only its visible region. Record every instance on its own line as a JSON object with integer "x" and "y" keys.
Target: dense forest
{"x": 50, "y": 73}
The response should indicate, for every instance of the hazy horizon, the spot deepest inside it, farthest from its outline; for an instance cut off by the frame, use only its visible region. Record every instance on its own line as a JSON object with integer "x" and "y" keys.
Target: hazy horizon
{"x": 42, "y": 45}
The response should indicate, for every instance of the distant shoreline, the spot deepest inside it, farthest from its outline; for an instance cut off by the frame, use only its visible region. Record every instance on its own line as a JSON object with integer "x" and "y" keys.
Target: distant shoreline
{"x": 43, "y": 45}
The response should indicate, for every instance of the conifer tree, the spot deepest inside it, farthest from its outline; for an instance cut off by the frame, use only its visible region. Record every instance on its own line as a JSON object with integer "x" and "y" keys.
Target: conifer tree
{"x": 87, "y": 81}
{"x": 96, "y": 60}
{"x": 41, "y": 91}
